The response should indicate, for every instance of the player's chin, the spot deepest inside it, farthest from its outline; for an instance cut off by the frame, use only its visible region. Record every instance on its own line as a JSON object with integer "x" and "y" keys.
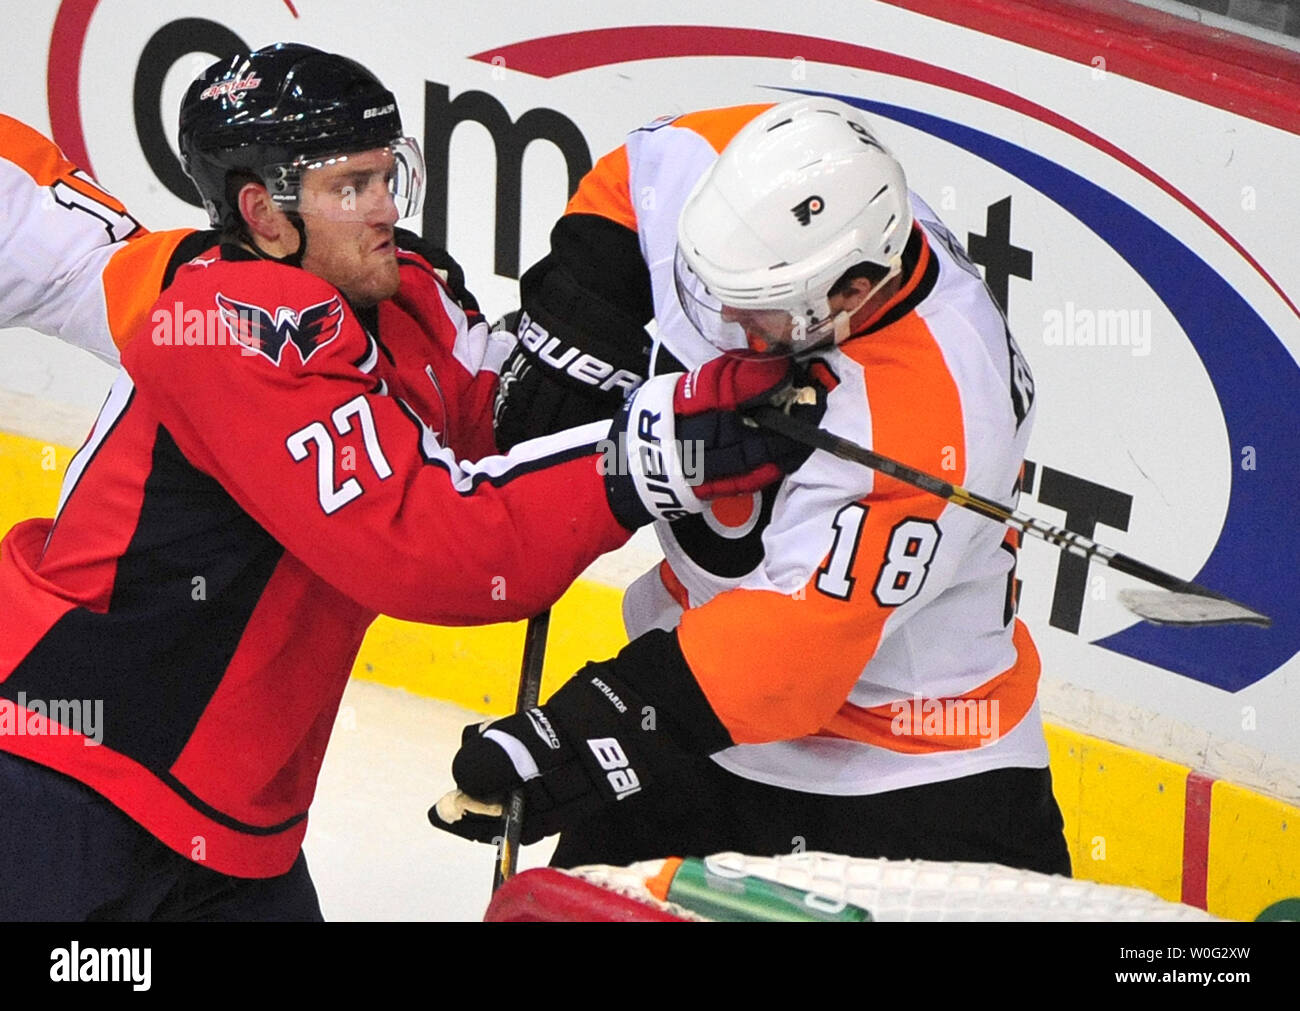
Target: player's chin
{"x": 374, "y": 286}
{"x": 385, "y": 279}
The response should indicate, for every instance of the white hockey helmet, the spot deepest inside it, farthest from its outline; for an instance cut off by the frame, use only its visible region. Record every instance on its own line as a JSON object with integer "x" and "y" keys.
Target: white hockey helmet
{"x": 802, "y": 193}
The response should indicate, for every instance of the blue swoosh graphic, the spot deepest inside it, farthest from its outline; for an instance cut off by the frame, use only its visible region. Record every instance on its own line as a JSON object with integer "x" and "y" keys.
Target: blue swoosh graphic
{"x": 1257, "y": 555}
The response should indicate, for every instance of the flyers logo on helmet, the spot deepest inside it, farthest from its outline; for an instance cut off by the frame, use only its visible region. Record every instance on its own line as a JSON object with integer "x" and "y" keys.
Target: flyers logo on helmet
{"x": 805, "y": 209}
{"x": 256, "y": 329}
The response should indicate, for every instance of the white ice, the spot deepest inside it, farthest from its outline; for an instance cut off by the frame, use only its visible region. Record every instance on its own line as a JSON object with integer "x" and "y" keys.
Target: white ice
{"x": 370, "y": 847}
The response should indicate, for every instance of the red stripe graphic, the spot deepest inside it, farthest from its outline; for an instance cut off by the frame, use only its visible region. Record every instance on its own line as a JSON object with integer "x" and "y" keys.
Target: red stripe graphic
{"x": 1196, "y": 838}
{"x": 1212, "y": 66}
{"x": 63, "y": 79}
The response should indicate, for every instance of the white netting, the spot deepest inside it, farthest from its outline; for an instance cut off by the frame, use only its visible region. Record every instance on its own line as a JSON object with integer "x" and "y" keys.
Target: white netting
{"x": 896, "y": 890}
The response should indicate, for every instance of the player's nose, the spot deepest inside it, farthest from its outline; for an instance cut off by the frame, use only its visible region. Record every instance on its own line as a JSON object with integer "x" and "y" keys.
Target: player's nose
{"x": 385, "y": 211}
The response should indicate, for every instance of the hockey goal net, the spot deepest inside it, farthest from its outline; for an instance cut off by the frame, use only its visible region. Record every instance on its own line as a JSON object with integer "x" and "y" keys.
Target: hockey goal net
{"x": 819, "y": 886}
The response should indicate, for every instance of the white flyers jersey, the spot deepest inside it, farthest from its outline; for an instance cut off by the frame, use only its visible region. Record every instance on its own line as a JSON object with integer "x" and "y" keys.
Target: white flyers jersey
{"x": 60, "y": 245}
{"x": 854, "y": 634}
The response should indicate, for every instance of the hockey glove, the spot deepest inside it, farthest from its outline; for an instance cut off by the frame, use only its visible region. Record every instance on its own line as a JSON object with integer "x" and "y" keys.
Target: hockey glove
{"x": 597, "y": 741}
{"x": 577, "y": 359}
{"x": 679, "y": 441}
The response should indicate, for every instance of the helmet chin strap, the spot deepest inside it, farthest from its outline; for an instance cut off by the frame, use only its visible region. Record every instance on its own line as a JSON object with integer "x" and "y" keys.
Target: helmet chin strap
{"x": 294, "y": 259}
{"x": 843, "y": 319}
{"x": 843, "y": 325}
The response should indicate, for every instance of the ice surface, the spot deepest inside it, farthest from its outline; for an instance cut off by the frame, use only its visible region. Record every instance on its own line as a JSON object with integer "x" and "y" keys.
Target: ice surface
{"x": 370, "y": 847}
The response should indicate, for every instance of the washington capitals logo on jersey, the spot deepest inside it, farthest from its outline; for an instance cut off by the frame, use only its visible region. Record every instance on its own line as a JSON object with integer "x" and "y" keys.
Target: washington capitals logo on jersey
{"x": 308, "y": 329}
{"x": 805, "y": 209}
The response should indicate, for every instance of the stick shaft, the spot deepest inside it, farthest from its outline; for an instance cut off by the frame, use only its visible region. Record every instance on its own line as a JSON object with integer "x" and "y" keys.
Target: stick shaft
{"x": 530, "y": 690}
{"x": 810, "y": 435}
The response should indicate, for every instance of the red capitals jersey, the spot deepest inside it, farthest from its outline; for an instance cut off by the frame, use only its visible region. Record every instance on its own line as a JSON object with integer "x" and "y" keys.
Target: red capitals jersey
{"x": 271, "y": 470}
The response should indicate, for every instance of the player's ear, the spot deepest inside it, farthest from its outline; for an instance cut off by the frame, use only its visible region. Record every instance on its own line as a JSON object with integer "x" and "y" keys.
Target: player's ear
{"x": 266, "y": 223}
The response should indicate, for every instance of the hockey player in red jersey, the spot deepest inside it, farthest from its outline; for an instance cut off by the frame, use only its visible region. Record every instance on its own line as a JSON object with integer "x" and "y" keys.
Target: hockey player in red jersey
{"x": 833, "y": 663}
{"x": 282, "y": 458}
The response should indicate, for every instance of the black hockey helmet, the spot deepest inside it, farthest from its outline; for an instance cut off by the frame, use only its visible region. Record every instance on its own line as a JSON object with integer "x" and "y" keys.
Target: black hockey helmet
{"x": 275, "y": 112}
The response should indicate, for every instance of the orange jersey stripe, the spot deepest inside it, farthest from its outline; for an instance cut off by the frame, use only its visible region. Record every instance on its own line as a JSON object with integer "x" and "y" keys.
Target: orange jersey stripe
{"x": 762, "y": 685}
{"x": 916, "y": 412}
{"x": 133, "y": 278}
{"x": 604, "y": 191}
{"x": 673, "y": 585}
{"x": 922, "y": 726}
{"x": 41, "y": 159}
{"x": 718, "y": 126}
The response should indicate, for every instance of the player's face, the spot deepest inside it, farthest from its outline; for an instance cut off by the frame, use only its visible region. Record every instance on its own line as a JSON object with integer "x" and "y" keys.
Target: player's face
{"x": 348, "y": 212}
{"x": 776, "y": 331}
{"x": 766, "y": 330}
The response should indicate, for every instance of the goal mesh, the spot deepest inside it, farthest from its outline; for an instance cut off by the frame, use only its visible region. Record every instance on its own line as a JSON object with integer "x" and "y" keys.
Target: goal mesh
{"x": 892, "y": 890}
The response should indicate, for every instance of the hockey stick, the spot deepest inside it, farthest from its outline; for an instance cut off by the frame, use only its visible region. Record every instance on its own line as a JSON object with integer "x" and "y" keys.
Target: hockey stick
{"x": 530, "y": 689}
{"x": 1183, "y": 603}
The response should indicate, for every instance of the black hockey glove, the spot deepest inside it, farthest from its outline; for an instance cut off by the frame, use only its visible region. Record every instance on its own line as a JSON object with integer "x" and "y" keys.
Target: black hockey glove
{"x": 597, "y": 741}
{"x": 577, "y": 359}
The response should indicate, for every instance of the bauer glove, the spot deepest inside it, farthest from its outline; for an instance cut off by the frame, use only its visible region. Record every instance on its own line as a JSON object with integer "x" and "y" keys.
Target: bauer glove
{"x": 597, "y": 741}
{"x": 679, "y": 440}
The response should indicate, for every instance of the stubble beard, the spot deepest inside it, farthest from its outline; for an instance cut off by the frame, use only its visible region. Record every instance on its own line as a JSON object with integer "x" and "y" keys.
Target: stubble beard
{"x": 364, "y": 285}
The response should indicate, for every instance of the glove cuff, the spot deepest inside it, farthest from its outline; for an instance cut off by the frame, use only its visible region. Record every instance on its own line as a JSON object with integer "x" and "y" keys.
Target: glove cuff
{"x": 647, "y": 480}
{"x": 653, "y": 666}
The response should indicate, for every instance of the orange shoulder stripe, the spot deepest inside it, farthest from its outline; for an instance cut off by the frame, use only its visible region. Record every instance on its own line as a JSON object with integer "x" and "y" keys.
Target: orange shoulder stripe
{"x": 604, "y": 191}
{"x": 41, "y": 159}
{"x": 718, "y": 126}
{"x": 916, "y": 413}
{"x": 133, "y": 280}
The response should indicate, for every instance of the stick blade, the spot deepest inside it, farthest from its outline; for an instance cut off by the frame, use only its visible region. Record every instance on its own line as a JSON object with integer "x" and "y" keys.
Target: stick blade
{"x": 1165, "y": 607}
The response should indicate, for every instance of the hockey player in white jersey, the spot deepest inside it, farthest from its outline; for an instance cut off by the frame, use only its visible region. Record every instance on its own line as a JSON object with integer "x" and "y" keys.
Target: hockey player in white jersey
{"x": 835, "y": 663}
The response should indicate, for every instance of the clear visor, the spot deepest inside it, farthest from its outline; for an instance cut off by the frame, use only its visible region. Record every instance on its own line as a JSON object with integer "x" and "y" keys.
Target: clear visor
{"x": 353, "y": 187}
{"x": 791, "y": 326}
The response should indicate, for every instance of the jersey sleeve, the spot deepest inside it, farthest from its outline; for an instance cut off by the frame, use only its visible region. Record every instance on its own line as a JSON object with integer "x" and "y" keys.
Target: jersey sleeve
{"x": 77, "y": 265}
{"x": 471, "y": 363}
{"x": 342, "y": 472}
{"x": 584, "y": 308}
{"x": 604, "y": 191}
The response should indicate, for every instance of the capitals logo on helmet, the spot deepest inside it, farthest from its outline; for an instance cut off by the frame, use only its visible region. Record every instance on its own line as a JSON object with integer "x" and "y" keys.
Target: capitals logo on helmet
{"x": 272, "y": 113}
